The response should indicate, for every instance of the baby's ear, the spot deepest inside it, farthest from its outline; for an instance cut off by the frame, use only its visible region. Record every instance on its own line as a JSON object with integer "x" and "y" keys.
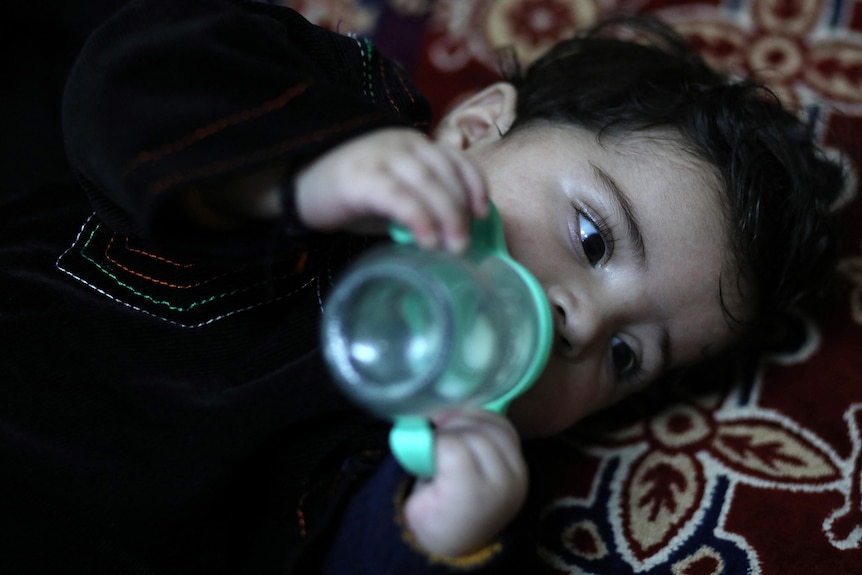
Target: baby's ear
{"x": 483, "y": 117}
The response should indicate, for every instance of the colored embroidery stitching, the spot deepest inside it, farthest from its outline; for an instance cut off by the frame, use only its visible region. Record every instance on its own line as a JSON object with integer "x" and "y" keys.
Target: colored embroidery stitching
{"x": 173, "y": 307}
{"x": 300, "y": 515}
{"x": 368, "y": 55}
{"x": 165, "y": 260}
{"x": 243, "y": 296}
{"x": 129, "y": 270}
{"x": 178, "y": 323}
{"x": 386, "y": 89}
{"x": 219, "y": 125}
{"x": 167, "y": 304}
{"x": 404, "y": 87}
{"x": 364, "y": 73}
{"x": 178, "y": 178}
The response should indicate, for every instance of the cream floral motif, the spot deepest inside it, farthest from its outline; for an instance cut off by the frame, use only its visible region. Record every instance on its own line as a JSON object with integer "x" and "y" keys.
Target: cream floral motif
{"x": 706, "y": 560}
{"x": 465, "y": 32}
{"x": 844, "y": 526}
{"x": 792, "y": 46}
{"x": 664, "y": 474}
{"x": 777, "y": 41}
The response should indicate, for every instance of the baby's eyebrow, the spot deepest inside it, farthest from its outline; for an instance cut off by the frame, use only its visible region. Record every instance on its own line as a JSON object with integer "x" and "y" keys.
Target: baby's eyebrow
{"x": 625, "y": 207}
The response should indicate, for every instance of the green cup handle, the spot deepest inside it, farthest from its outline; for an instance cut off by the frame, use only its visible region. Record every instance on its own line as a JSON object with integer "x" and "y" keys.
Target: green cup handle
{"x": 412, "y": 442}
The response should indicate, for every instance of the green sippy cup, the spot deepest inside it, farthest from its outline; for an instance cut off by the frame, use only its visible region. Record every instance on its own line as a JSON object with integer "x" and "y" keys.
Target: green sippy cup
{"x": 409, "y": 332}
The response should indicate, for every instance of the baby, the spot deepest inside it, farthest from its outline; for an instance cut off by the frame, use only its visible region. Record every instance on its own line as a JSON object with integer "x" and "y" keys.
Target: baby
{"x": 667, "y": 211}
{"x": 229, "y": 157}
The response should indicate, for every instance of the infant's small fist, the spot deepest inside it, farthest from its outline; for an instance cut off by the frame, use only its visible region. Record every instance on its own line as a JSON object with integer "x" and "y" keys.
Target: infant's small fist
{"x": 480, "y": 485}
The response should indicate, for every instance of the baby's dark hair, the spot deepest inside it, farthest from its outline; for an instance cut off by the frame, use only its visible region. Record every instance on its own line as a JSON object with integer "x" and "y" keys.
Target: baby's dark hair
{"x": 780, "y": 187}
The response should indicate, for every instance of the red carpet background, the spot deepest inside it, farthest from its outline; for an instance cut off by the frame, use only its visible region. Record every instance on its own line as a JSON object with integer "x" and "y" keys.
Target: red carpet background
{"x": 762, "y": 474}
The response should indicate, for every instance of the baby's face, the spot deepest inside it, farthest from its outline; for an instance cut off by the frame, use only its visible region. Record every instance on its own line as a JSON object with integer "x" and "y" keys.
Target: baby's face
{"x": 629, "y": 241}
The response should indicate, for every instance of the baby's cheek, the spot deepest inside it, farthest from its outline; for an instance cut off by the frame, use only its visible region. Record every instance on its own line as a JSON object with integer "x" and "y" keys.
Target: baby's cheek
{"x": 561, "y": 397}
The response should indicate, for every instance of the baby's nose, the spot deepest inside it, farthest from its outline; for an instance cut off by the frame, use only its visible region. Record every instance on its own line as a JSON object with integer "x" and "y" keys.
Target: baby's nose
{"x": 564, "y": 343}
{"x": 575, "y": 323}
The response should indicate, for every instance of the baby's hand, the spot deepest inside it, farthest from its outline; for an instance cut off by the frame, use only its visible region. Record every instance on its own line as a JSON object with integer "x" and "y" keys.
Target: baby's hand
{"x": 394, "y": 174}
{"x": 480, "y": 485}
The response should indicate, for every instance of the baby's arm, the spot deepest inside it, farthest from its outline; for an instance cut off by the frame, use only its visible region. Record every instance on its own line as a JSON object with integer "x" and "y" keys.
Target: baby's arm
{"x": 463, "y": 520}
{"x": 388, "y": 175}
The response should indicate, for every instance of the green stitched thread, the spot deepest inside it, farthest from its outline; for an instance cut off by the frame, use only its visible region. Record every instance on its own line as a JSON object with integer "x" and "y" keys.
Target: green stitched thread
{"x": 368, "y": 76}
{"x": 168, "y": 304}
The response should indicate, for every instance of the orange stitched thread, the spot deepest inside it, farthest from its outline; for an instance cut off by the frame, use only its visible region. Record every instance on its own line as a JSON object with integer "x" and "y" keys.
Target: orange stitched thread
{"x": 219, "y": 125}
{"x": 300, "y": 515}
{"x": 174, "y": 179}
{"x": 403, "y": 85}
{"x": 386, "y": 87}
{"x": 148, "y": 278}
{"x": 154, "y": 256}
{"x": 300, "y": 262}
{"x": 299, "y": 267}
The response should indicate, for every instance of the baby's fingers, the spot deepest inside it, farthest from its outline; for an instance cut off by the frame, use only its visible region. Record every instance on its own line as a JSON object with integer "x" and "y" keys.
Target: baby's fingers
{"x": 487, "y": 439}
{"x": 448, "y": 187}
{"x": 394, "y": 175}
{"x": 472, "y": 179}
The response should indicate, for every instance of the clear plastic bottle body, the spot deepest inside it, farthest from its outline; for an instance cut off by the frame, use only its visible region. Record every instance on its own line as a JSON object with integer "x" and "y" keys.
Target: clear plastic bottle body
{"x": 411, "y": 332}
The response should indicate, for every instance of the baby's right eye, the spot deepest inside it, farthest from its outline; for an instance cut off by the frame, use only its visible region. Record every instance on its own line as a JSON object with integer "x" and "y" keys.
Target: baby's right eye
{"x": 592, "y": 239}
{"x": 623, "y": 358}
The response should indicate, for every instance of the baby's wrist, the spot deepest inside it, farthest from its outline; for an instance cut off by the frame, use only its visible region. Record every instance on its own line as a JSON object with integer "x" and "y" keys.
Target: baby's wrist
{"x": 476, "y": 555}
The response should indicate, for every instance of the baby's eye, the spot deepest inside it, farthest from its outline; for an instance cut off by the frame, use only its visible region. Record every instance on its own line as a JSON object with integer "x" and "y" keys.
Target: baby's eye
{"x": 592, "y": 240}
{"x": 624, "y": 360}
